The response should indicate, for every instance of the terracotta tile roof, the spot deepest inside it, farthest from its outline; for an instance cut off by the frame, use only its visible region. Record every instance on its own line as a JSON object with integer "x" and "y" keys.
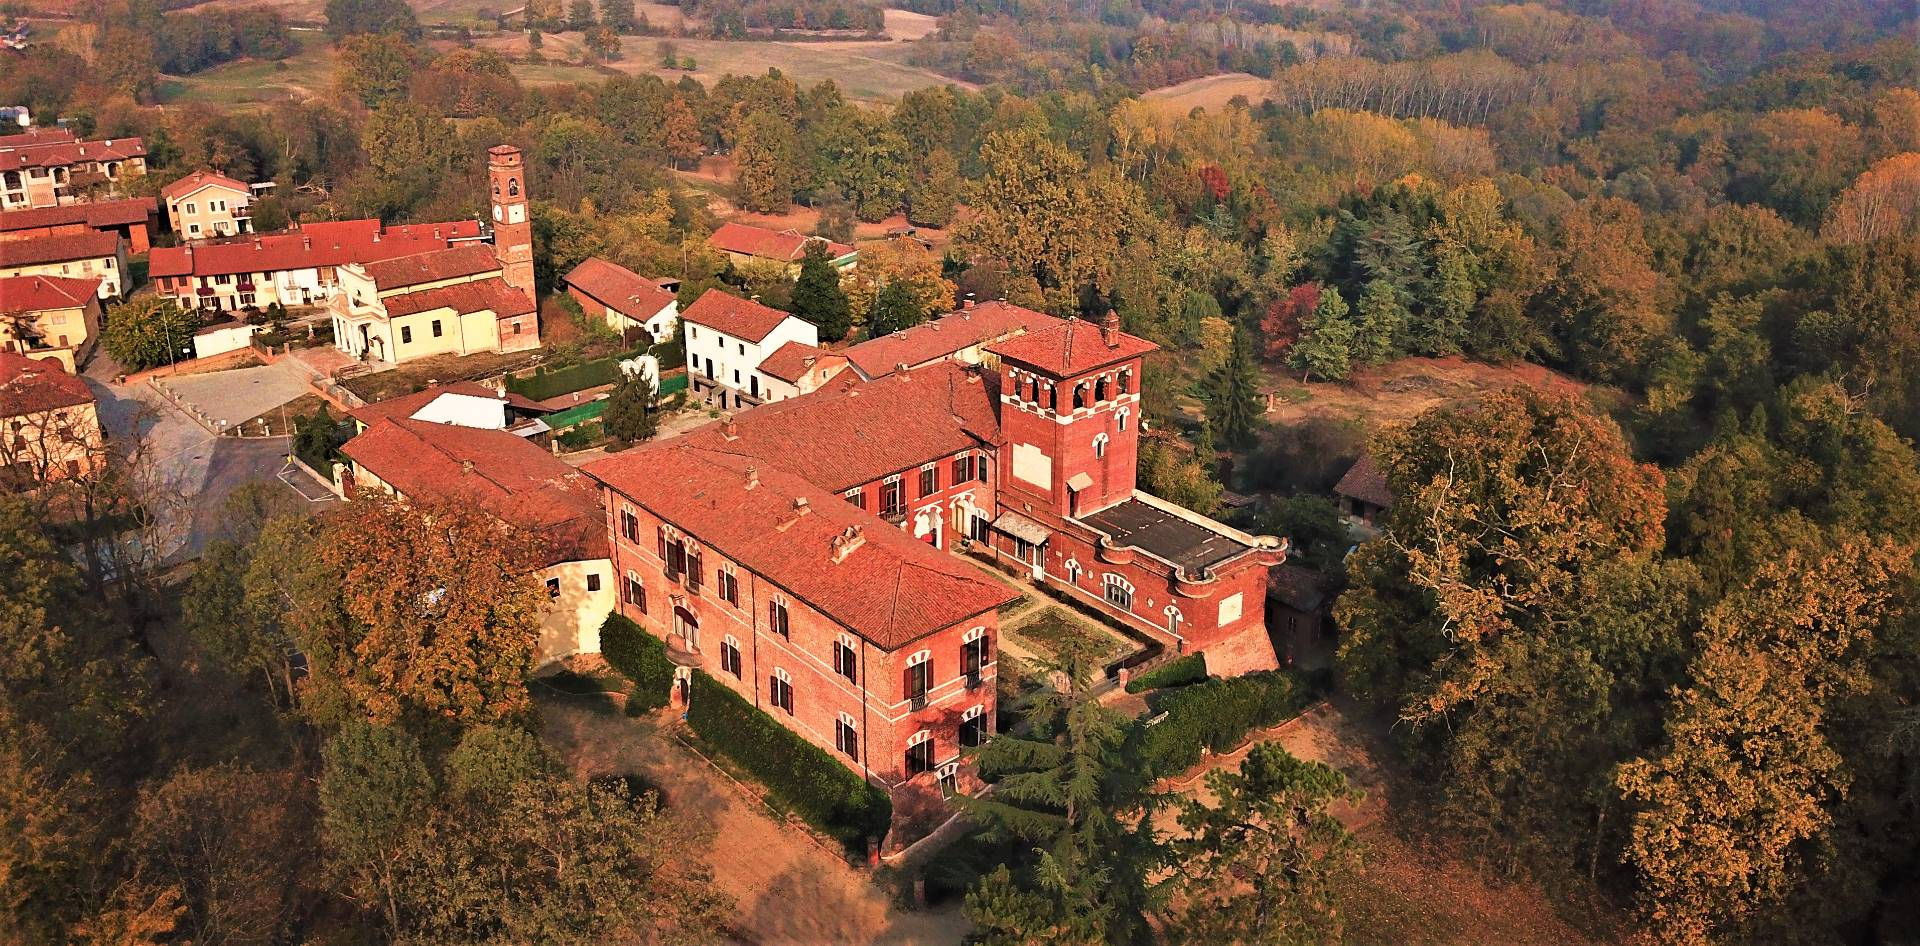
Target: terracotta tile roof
{"x": 489, "y": 294}
{"x": 35, "y": 136}
{"x": 619, "y": 288}
{"x": 1298, "y": 587}
{"x": 889, "y": 589}
{"x": 29, "y": 386}
{"x": 945, "y": 336}
{"x": 60, "y": 152}
{"x": 740, "y": 318}
{"x": 1072, "y": 347}
{"x": 98, "y": 215}
{"x": 456, "y": 262}
{"x": 787, "y": 246}
{"x": 406, "y": 405}
{"x": 852, "y": 432}
{"x": 39, "y": 293}
{"x": 60, "y": 248}
{"x": 199, "y": 179}
{"x": 328, "y": 243}
{"x": 512, "y": 479}
{"x": 790, "y": 362}
{"x": 1364, "y": 481}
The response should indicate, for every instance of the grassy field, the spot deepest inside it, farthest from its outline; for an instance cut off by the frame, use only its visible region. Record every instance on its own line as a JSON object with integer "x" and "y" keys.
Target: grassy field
{"x": 1209, "y": 92}
{"x": 305, "y": 74}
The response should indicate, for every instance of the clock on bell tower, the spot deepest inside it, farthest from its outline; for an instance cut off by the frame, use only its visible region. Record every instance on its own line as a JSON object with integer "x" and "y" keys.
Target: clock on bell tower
{"x": 512, "y": 230}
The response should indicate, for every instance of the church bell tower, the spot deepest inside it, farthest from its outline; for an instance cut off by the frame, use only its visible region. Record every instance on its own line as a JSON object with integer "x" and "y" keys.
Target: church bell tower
{"x": 512, "y": 227}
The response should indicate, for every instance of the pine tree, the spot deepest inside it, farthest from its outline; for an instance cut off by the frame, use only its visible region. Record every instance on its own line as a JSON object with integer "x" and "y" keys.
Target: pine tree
{"x": 895, "y": 309}
{"x": 1382, "y": 323}
{"x": 1236, "y": 410}
{"x": 1325, "y": 348}
{"x": 579, "y": 15}
{"x": 630, "y": 416}
{"x": 619, "y": 15}
{"x": 817, "y": 296}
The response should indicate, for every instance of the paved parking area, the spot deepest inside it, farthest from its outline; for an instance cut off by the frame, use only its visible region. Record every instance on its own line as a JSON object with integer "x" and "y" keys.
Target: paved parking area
{"x": 225, "y": 398}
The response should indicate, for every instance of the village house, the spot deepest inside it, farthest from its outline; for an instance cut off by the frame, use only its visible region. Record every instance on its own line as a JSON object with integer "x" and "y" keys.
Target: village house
{"x": 1297, "y": 606}
{"x": 49, "y": 167}
{"x": 463, "y": 404}
{"x": 1030, "y": 464}
{"x": 95, "y": 255}
{"x": 623, "y": 300}
{"x": 50, "y": 317}
{"x": 1362, "y": 493}
{"x": 797, "y": 368}
{"x": 727, "y": 340}
{"x": 750, "y": 247}
{"x": 299, "y": 267}
{"x": 207, "y": 204}
{"x": 52, "y": 430}
{"x": 958, "y": 336}
{"x": 130, "y": 219}
{"x": 516, "y": 482}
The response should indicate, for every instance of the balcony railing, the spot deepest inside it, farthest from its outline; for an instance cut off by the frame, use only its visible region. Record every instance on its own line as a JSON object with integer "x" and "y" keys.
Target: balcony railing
{"x": 919, "y": 701}
{"x": 974, "y": 679}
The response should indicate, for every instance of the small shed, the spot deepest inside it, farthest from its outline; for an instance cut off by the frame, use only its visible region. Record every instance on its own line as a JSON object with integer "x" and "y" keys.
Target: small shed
{"x": 1297, "y": 603}
{"x": 222, "y": 337}
{"x": 1363, "y": 491}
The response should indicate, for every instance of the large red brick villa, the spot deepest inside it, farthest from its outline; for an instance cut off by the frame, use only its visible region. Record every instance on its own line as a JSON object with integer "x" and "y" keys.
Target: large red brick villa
{"x": 801, "y": 552}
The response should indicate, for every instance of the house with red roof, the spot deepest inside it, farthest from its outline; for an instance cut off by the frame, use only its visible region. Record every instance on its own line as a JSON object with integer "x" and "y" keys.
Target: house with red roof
{"x": 797, "y": 368}
{"x": 959, "y": 336}
{"x": 299, "y": 267}
{"x": 96, "y": 255}
{"x": 728, "y": 338}
{"x": 130, "y": 219}
{"x": 50, "y": 167}
{"x": 49, "y": 428}
{"x": 207, "y": 204}
{"x": 451, "y": 301}
{"x": 1026, "y": 459}
{"x": 624, "y": 299}
{"x": 463, "y": 404}
{"x": 748, "y": 246}
{"x": 517, "y": 482}
{"x": 50, "y": 317}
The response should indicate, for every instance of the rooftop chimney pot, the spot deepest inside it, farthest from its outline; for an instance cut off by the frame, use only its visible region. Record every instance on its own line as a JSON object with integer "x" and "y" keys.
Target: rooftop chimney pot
{"x": 1110, "y": 329}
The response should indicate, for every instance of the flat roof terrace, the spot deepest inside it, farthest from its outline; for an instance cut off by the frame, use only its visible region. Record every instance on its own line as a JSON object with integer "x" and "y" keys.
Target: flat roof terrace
{"x": 1167, "y": 535}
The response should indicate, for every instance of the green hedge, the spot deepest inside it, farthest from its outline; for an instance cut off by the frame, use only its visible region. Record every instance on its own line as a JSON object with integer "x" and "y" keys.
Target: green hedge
{"x": 640, "y": 657}
{"x": 1216, "y": 715}
{"x": 803, "y": 776}
{"x": 544, "y": 384}
{"x": 1176, "y": 673}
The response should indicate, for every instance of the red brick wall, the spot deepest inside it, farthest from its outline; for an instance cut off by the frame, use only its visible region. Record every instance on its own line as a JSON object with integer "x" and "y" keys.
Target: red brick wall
{"x": 878, "y": 705}
{"x": 941, "y": 503}
{"x": 1071, "y": 445}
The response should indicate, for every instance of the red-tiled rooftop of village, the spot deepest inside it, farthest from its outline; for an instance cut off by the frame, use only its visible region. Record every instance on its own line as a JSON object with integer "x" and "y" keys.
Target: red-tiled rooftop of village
{"x": 740, "y": 318}
{"x": 790, "y": 361}
{"x": 58, "y": 151}
{"x": 890, "y": 589}
{"x": 619, "y": 288}
{"x": 406, "y": 405}
{"x": 945, "y": 336}
{"x": 327, "y": 243}
{"x": 37, "y": 293}
{"x": 785, "y": 245}
{"x": 1071, "y": 347}
{"x": 852, "y": 432}
{"x": 59, "y": 248}
{"x": 29, "y": 386}
{"x": 432, "y": 266}
{"x": 99, "y": 214}
{"x": 199, "y": 179}
{"x": 491, "y": 294}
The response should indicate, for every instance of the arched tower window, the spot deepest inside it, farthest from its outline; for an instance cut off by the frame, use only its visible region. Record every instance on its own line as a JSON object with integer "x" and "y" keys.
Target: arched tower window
{"x": 1080, "y": 395}
{"x": 1100, "y": 389}
{"x": 513, "y": 187}
{"x": 1100, "y": 446}
{"x": 1126, "y": 381}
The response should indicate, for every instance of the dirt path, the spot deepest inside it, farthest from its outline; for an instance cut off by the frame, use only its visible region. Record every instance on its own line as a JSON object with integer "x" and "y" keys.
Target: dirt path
{"x": 787, "y": 889}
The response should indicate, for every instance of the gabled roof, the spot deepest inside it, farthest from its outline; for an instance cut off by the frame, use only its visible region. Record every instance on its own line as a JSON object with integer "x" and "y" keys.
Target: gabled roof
{"x": 787, "y": 246}
{"x": 58, "y": 151}
{"x": 791, "y": 362}
{"x": 492, "y": 295}
{"x": 945, "y": 336}
{"x": 327, "y": 243}
{"x": 201, "y": 179}
{"x": 407, "y": 405}
{"x": 40, "y": 293}
{"x": 98, "y": 215}
{"x": 619, "y": 288}
{"x": 468, "y": 259}
{"x": 59, "y": 248}
{"x": 30, "y": 386}
{"x": 1072, "y": 347}
{"x": 35, "y": 136}
{"x": 505, "y": 475}
{"x": 1364, "y": 481}
{"x": 889, "y": 588}
{"x": 741, "y": 318}
{"x": 852, "y": 432}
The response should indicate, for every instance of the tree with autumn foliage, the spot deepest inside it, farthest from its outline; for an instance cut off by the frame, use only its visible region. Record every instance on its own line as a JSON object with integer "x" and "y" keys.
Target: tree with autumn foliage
{"x": 1280, "y": 323}
{"x": 438, "y": 612}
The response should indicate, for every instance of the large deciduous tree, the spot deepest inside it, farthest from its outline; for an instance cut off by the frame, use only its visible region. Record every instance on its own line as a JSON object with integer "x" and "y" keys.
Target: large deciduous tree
{"x": 149, "y": 332}
{"x": 766, "y": 167}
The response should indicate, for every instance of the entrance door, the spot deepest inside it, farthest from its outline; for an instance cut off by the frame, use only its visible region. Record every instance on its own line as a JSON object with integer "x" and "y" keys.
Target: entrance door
{"x": 688, "y": 627}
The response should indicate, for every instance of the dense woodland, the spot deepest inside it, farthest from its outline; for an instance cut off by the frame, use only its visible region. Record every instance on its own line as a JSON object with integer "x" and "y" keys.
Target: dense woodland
{"x": 1654, "y": 646}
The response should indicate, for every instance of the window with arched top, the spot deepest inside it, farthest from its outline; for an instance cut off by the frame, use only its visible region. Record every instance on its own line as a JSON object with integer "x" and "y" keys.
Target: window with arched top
{"x": 1174, "y": 620}
{"x": 1119, "y": 591}
{"x": 1080, "y": 395}
{"x": 1126, "y": 381}
{"x": 1121, "y": 416}
{"x": 1100, "y": 390}
{"x": 1100, "y": 446}
{"x": 973, "y": 726}
{"x": 513, "y": 187}
{"x": 920, "y": 752}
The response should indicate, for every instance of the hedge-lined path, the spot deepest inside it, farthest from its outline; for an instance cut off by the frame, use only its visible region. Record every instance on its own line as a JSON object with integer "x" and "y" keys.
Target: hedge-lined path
{"x": 787, "y": 889}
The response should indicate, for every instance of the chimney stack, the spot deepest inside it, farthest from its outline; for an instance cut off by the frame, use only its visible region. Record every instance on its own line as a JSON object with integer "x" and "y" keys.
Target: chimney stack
{"x": 1110, "y": 329}
{"x": 466, "y": 466}
{"x": 728, "y": 430}
{"x": 846, "y": 542}
{"x": 800, "y": 506}
{"x": 753, "y": 476}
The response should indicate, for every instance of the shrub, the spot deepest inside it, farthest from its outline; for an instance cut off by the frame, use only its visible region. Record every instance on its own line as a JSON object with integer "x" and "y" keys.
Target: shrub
{"x": 1216, "y": 715}
{"x": 1176, "y": 673}
{"x": 640, "y": 657}
{"x": 803, "y": 776}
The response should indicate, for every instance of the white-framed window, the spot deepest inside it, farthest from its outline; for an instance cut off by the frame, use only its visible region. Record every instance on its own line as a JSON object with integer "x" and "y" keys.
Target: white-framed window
{"x": 973, "y": 726}
{"x": 730, "y": 655}
{"x": 1174, "y": 620}
{"x": 1121, "y": 416}
{"x": 1073, "y": 571}
{"x": 918, "y": 679}
{"x": 846, "y": 736}
{"x": 920, "y": 752}
{"x": 780, "y": 690}
{"x": 846, "y": 657}
{"x": 1119, "y": 591}
{"x": 1100, "y": 445}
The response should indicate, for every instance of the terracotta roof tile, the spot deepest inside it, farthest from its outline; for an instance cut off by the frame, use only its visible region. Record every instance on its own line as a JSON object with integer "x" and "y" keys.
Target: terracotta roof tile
{"x": 787, "y": 246}
{"x": 490, "y": 294}
{"x": 328, "y": 243}
{"x": 98, "y": 215}
{"x": 619, "y": 288}
{"x": 39, "y": 293}
{"x": 406, "y": 405}
{"x": 740, "y": 318}
{"x": 945, "y": 336}
{"x": 398, "y": 272}
{"x": 29, "y": 386}
{"x": 1071, "y": 347}
{"x": 1365, "y": 482}
{"x": 791, "y": 362}
{"x": 890, "y": 589}
{"x": 58, "y": 152}
{"x": 60, "y": 248}
{"x": 199, "y": 179}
